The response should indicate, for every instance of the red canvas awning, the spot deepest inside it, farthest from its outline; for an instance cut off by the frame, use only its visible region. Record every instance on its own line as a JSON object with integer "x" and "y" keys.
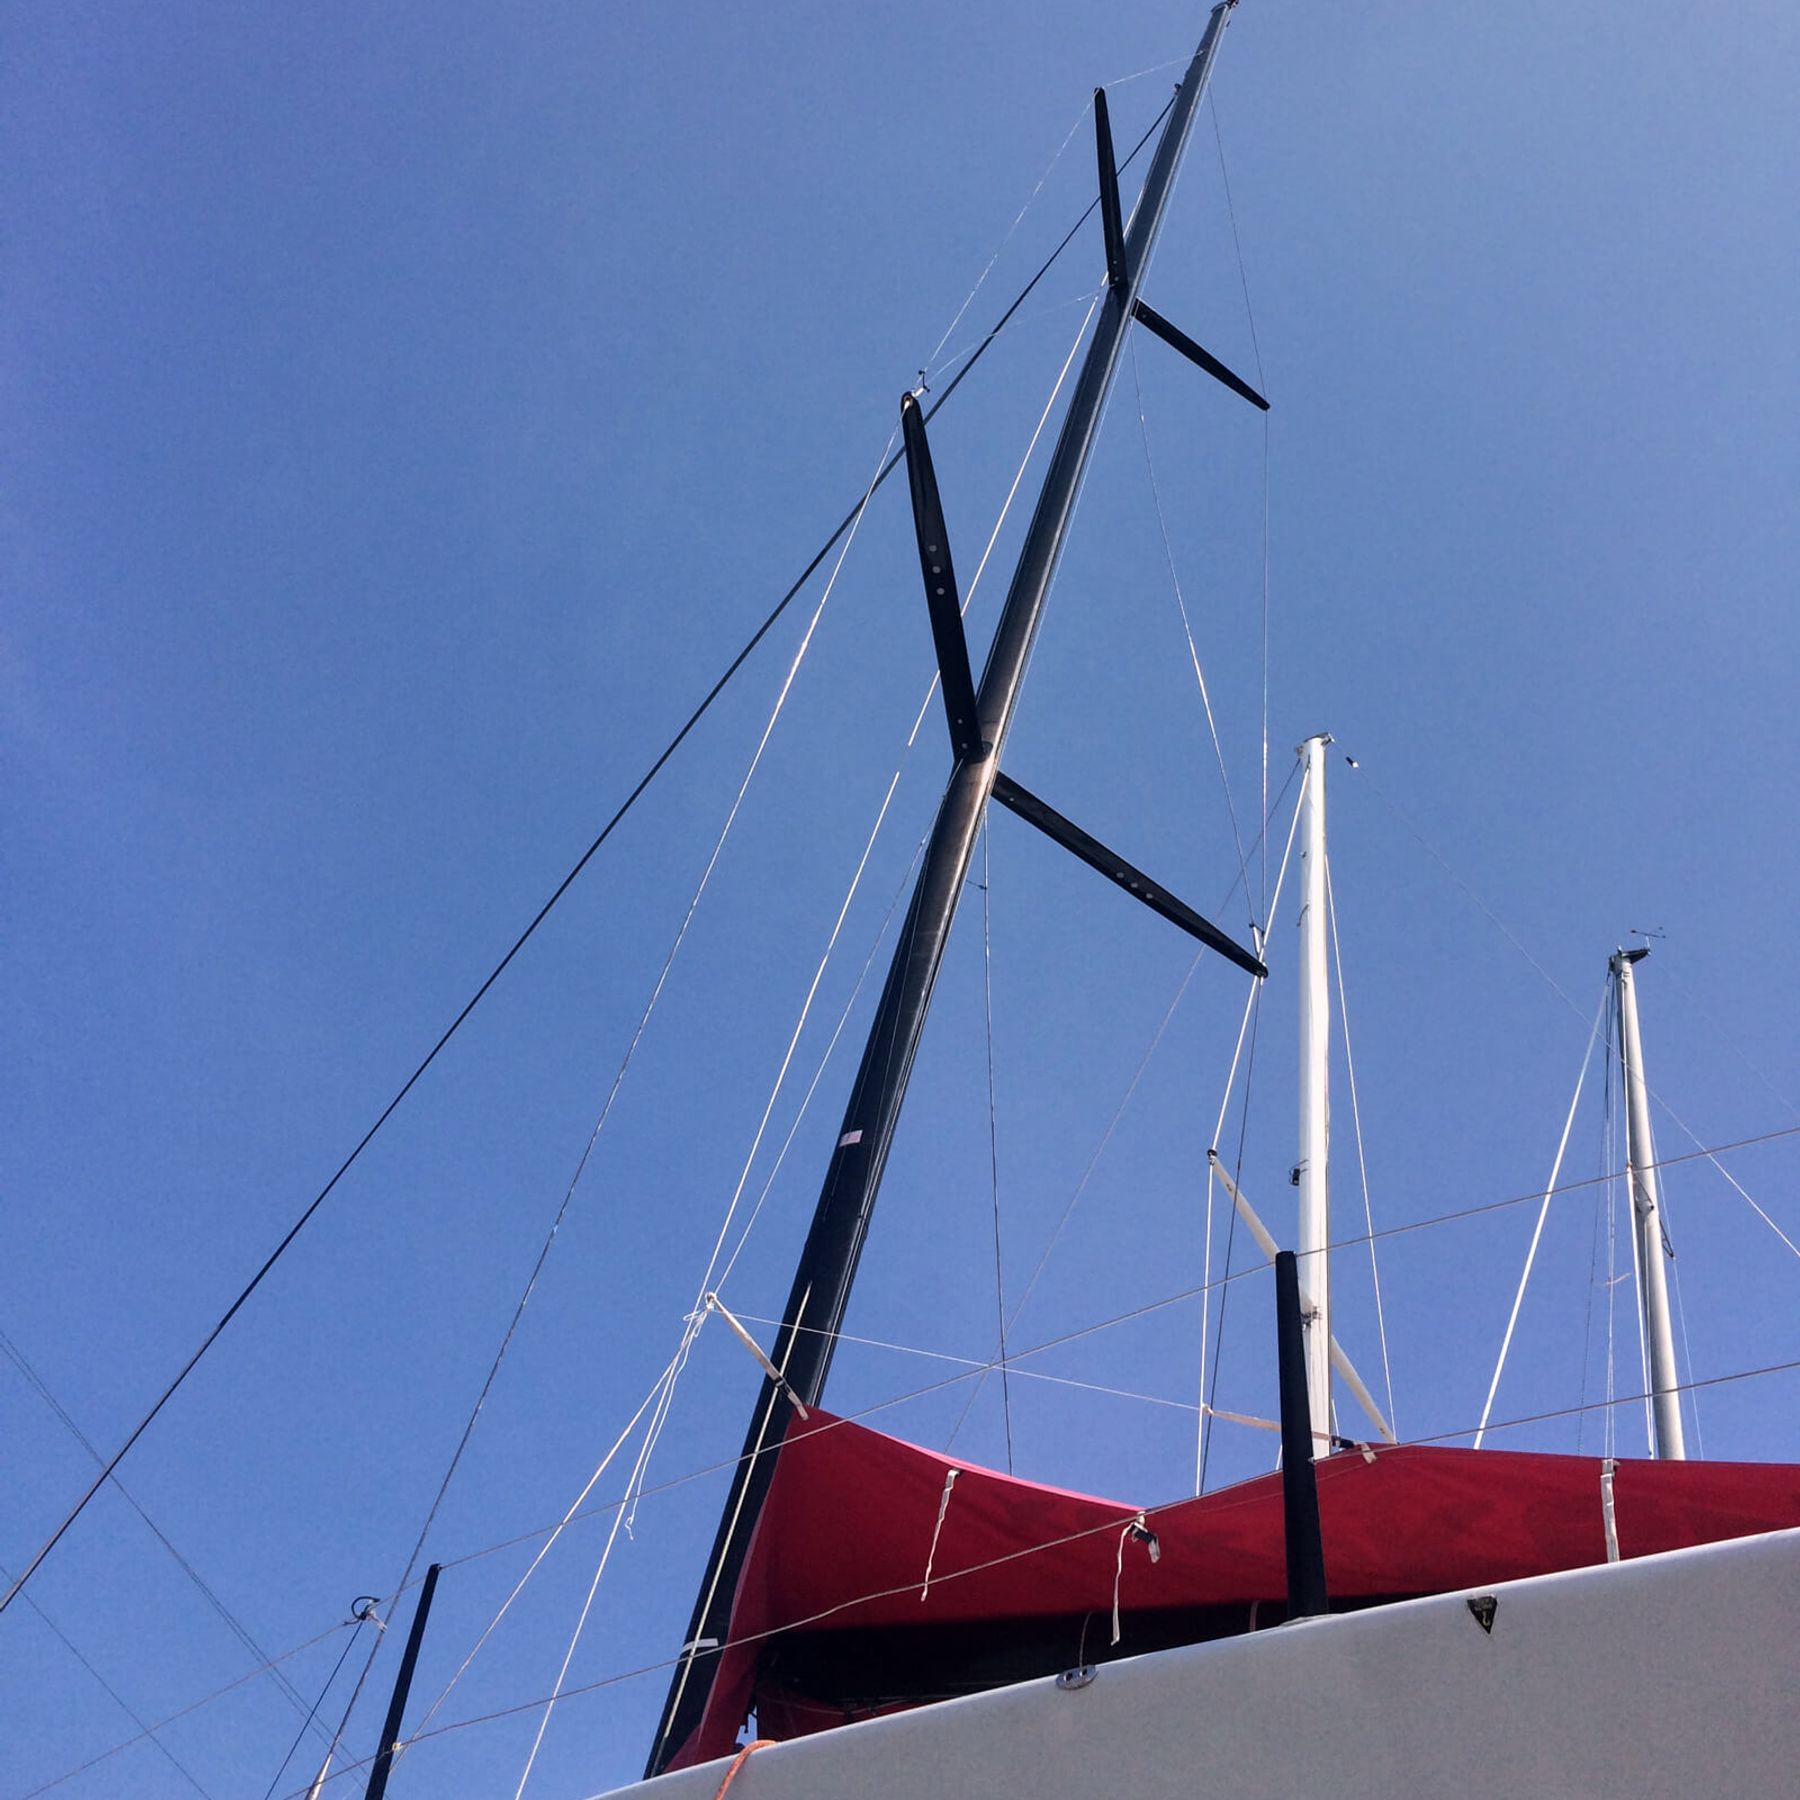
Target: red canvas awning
{"x": 847, "y": 1529}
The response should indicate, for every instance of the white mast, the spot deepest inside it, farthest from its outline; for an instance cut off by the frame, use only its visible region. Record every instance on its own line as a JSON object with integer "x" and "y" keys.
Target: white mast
{"x": 1314, "y": 1231}
{"x": 1646, "y": 1206}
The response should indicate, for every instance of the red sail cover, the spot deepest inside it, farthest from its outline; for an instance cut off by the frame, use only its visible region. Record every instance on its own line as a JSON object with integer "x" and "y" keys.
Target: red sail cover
{"x": 847, "y": 1529}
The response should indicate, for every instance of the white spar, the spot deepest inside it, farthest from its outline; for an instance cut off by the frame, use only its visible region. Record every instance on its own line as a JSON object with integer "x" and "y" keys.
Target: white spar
{"x": 1339, "y": 1360}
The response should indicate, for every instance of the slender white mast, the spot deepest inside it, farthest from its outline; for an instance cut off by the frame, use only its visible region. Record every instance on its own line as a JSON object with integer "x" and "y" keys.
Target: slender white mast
{"x": 1646, "y": 1206}
{"x": 1314, "y": 1231}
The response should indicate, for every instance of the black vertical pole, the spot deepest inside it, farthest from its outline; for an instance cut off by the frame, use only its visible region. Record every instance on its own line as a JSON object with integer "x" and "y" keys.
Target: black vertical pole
{"x": 821, "y": 1290}
{"x": 390, "y": 1731}
{"x": 1299, "y": 1486}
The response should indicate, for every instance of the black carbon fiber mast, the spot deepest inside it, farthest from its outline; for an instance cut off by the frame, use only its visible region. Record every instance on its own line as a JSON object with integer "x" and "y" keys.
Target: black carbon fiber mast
{"x": 815, "y": 1307}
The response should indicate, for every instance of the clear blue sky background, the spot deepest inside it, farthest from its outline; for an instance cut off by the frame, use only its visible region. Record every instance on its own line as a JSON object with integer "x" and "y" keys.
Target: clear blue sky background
{"x": 408, "y": 409}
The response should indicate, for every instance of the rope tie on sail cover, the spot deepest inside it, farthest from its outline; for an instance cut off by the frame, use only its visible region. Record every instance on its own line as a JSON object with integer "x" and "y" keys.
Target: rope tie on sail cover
{"x": 937, "y": 1530}
{"x": 1138, "y": 1528}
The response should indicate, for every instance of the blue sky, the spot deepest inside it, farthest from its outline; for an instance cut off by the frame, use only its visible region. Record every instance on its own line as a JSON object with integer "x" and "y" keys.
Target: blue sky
{"x": 409, "y": 411}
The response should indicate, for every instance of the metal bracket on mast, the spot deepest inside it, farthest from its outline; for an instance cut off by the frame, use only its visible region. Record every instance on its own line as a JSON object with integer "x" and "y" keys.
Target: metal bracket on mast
{"x": 941, "y": 597}
{"x": 1115, "y": 868}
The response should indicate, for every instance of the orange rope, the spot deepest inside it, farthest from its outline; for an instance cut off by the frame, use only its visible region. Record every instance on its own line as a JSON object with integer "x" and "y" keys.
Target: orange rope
{"x": 738, "y": 1761}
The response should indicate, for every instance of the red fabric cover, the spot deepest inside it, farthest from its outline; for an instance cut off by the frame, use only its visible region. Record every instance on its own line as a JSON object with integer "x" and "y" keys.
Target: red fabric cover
{"x": 846, "y": 1529}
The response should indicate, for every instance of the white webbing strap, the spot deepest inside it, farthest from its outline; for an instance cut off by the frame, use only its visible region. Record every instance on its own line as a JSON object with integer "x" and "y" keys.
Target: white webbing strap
{"x": 943, "y": 1507}
{"x": 1607, "y": 1510}
{"x": 1138, "y": 1528}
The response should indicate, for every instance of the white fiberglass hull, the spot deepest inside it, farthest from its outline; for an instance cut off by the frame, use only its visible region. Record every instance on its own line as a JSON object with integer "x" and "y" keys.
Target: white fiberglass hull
{"x": 1666, "y": 1675}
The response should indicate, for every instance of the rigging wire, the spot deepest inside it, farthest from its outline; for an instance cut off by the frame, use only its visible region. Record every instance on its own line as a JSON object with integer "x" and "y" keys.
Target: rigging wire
{"x": 845, "y": 524}
{"x": 987, "y": 994}
{"x": 358, "y": 1619}
{"x": 239, "y": 1630}
{"x": 626, "y": 1510}
{"x": 193, "y": 1706}
{"x": 1362, "y": 1164}
{"x": 712, "y": 861}
{"x": 696, "y": 1315}
{"x": 1212, "y": 1179}
{"x": 572, "y": 1514}
{"x": 831, "y": 1045}
{"x": 1018, "y": 219}
{"x": 119, "y": 1700}
{"x": 912, "y": 739}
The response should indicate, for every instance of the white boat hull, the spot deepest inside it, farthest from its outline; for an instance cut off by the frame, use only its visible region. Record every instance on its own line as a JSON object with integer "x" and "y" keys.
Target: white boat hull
{"x": 1666, "y": 1675}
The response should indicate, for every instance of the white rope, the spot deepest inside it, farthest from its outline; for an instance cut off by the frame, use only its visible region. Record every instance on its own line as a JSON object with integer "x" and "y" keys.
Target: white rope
{"x": 626, "y": 1505}
{"x": 868, "y": 848}
{"x": 556, "y": 1532}
{"x": 1179, "y": 62}
{"x": 818, "y": 1075}
{"x": 662, "y": 1394}
{"x": 977, "y": 1365}
{"x": 1018, "y": 220}
{"x": 1537, "y": 1230}
{"x": 812, "y": 624}
{"x": 1362, "y": 1166}
{"x": 1742, "y": 1192}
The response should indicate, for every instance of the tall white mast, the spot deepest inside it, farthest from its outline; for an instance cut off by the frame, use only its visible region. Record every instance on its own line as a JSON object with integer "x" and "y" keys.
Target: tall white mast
{"x": 1314, "y": 1231}
{"x": 1646, "y": 1206}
